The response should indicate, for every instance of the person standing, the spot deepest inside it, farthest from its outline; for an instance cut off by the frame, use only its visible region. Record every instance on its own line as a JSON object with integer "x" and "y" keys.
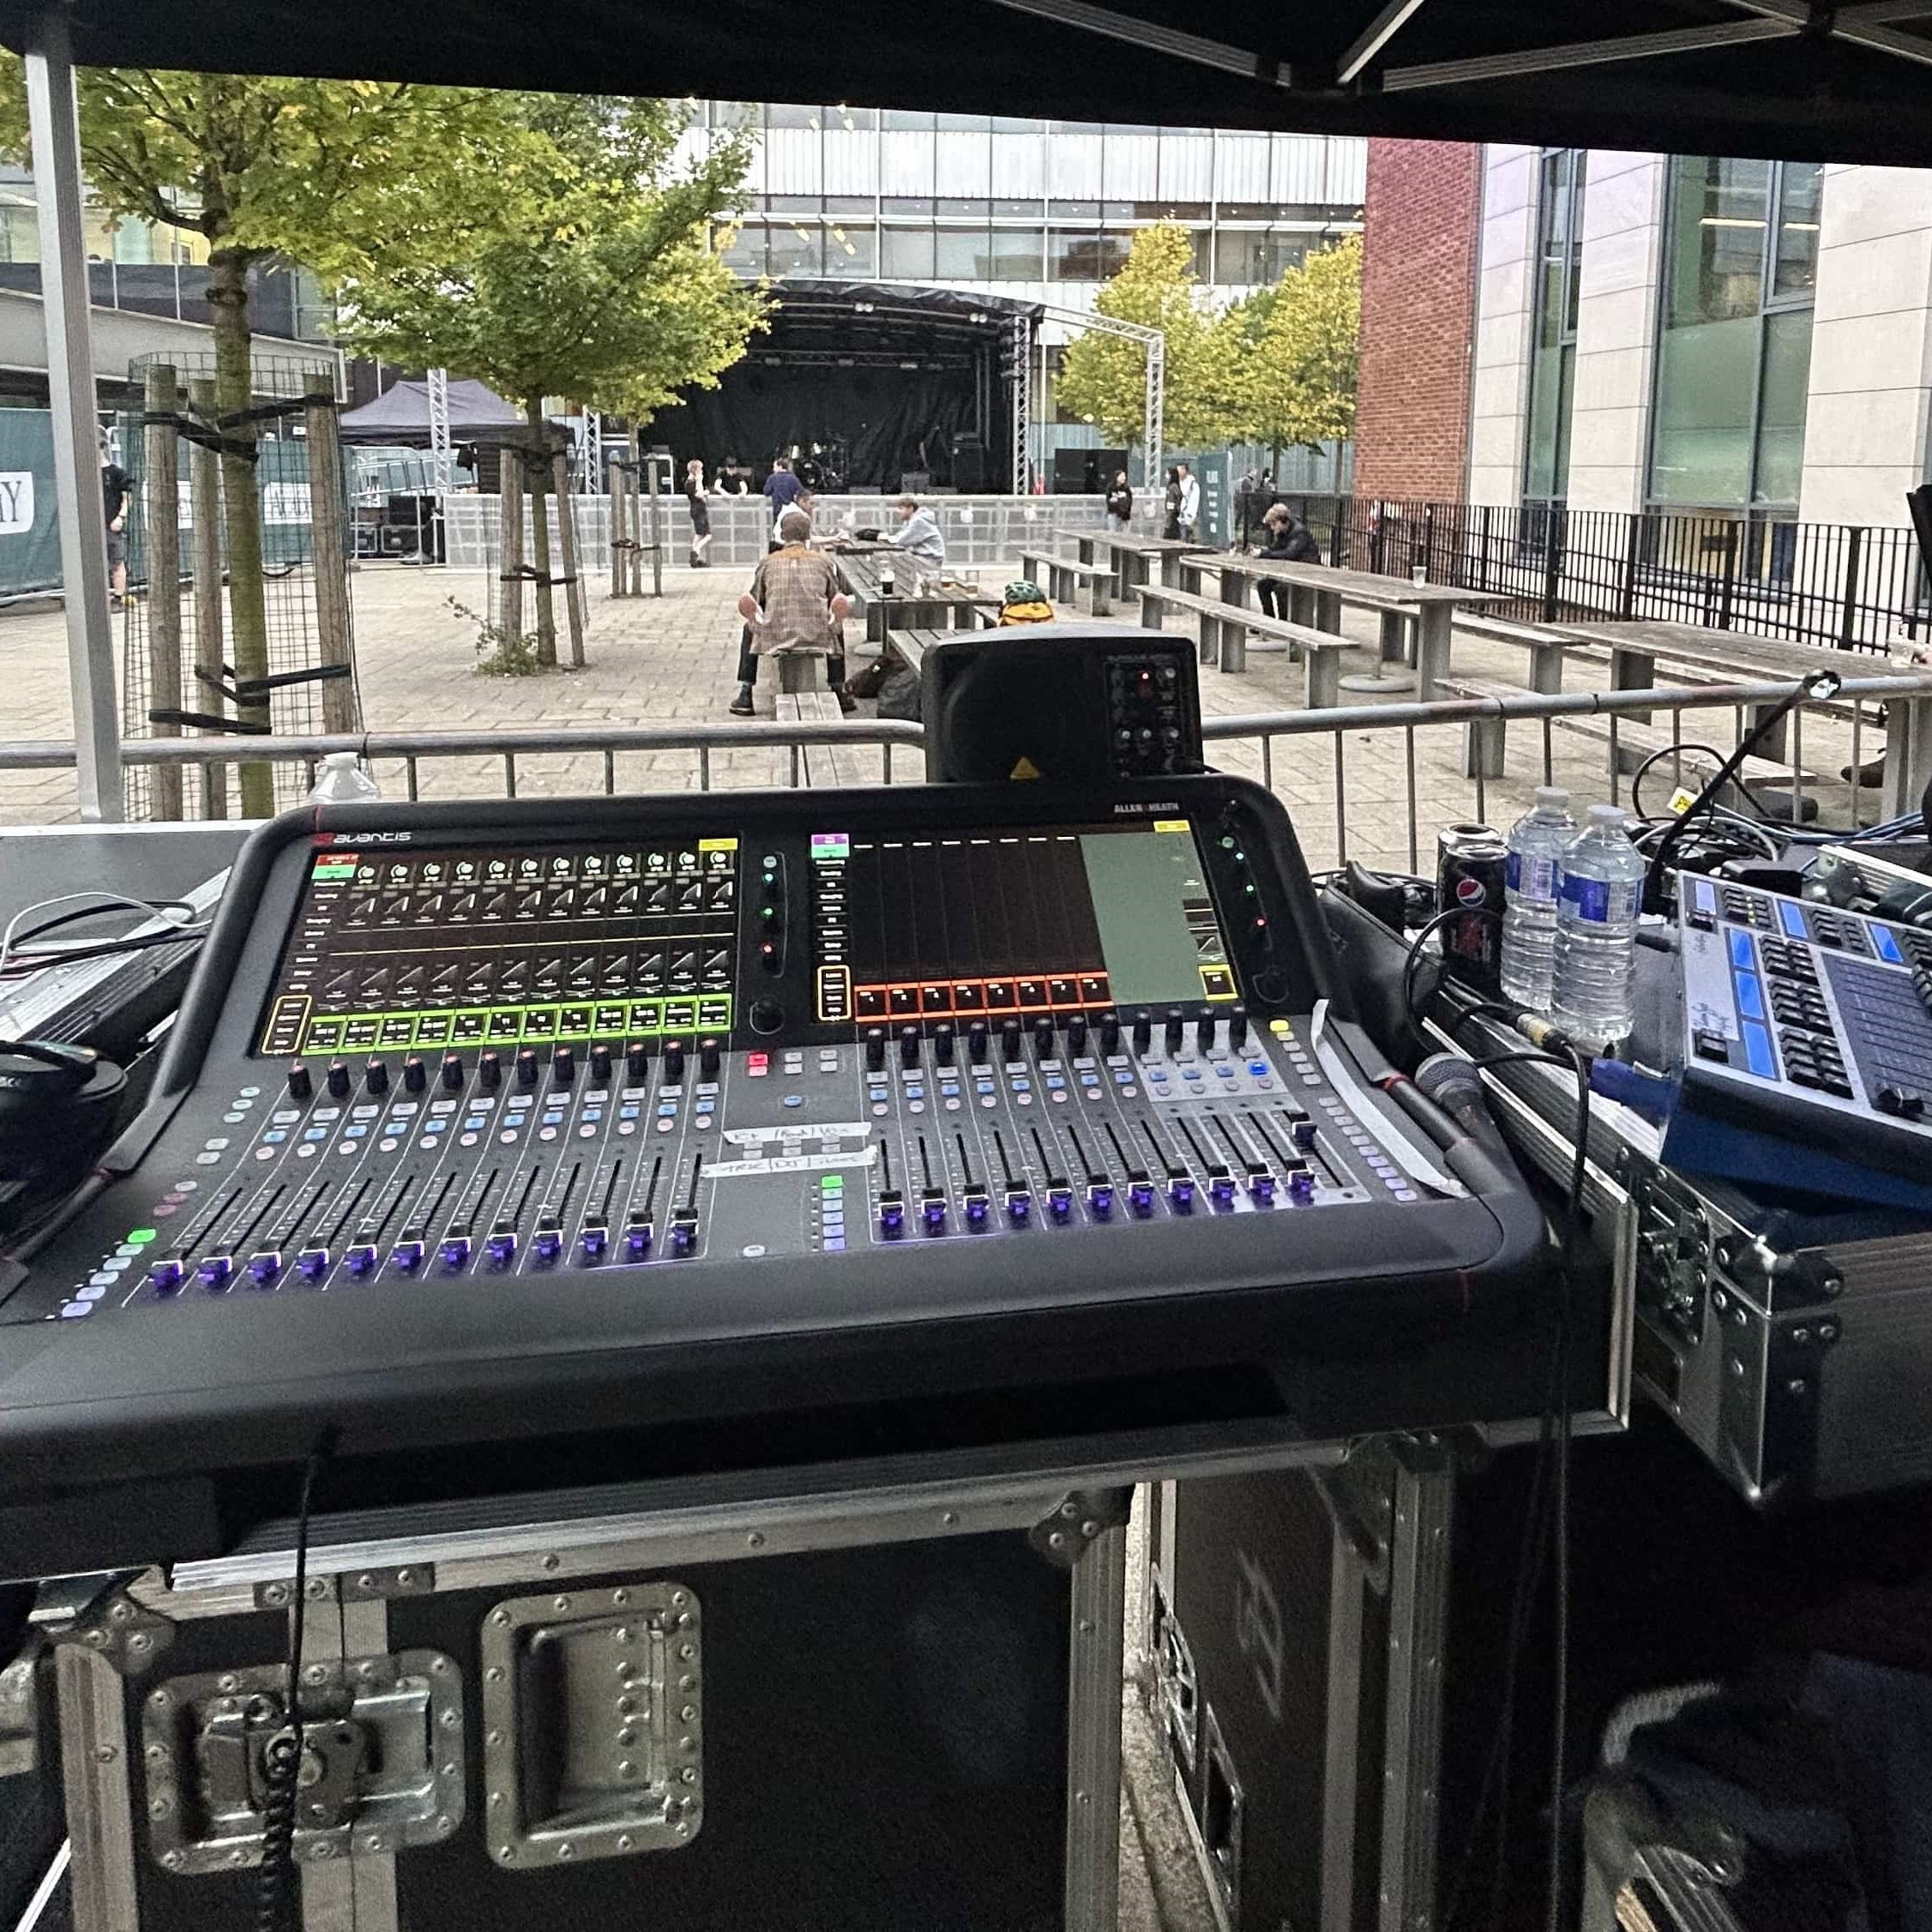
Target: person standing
{"x": 1244, "y": 495}
{"x": 114, "y": 484}
{"x": 1171, "y": 503}
{"x": 1190, "y": 502}
{"x": 798, "y": 601}
{"x": 700, "y": 515}
{"x": 782, "y": 488}
{"x": 1120, "y": 504}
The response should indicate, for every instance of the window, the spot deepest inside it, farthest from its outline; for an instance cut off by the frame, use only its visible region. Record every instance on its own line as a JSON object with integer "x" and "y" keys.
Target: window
{"x": 1546, "y": 468}
{"x": 964, "y": 123}
{"x": 745, "y": 255}
{"x": 894, "y": 122}
{"x": 1074, "y": 211}
{"x": 851, "y": 251}
{"x": 852, "y": 120}
{"x": 906, "y": 255}
{"x": 1085, "y": 258}
{"x": 777, "y": 116}
{"x": 963, "y": 206}
{"x": 1741, "y": 253}
{"x": 959, "y": 254}
{"x": 1014, "y": 255}
{"x": 795, "y": 249}
{"x": 908, "y": 204}
{"x": 850, "y": 207}
{"x": 1024, "y": 210}
{"x": 1246, "y": 260}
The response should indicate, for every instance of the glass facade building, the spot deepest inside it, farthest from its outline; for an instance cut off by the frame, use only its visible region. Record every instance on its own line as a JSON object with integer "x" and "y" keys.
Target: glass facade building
{"x": 1035, "y": 210}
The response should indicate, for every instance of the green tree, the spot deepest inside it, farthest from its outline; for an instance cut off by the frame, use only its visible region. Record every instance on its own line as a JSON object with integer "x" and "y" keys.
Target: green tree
{"x": 595, "y": 280}
{"x": 1294, "y": 350}
{"x": 328, "y": 173}
{"x": 1103, "y": 378}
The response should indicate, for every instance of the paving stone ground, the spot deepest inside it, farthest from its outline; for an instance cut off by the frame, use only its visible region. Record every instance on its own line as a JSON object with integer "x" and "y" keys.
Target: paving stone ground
{"x": 669, "y": 661}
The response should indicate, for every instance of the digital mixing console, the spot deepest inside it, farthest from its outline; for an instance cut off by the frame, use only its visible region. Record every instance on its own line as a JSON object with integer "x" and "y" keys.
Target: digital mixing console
{"x": 488, "y": 1121}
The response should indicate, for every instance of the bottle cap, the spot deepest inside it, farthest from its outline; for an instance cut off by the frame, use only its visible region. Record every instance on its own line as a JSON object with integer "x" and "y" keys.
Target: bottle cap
{"x": 1607, "y": 816}
{"x": 338, "y": 761}
{"x": 1552, "y": 795}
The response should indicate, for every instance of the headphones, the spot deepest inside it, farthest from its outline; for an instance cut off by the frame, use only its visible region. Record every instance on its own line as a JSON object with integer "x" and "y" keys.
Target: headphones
{"x": 58, "y": 1106}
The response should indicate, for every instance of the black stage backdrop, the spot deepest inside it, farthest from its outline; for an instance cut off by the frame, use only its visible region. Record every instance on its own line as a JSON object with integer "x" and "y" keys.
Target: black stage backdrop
{"x": 881, "y": 417}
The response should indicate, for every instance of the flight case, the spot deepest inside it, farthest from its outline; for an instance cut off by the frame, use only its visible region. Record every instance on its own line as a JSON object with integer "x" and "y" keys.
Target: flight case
{"x": 720, "y": 1708}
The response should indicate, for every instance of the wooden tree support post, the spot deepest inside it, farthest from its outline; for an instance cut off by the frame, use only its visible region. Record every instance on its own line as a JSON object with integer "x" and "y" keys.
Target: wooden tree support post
{"x": 657, "y": 532}
{"x": 510, "y": 548}
{"x": 614, "y": 477}
{"x": 204, "y": 495}
{"x": 161, "y": 526}
{"x": 537, "y": 483}
{"x": 334, "y": 638}
{"x": 567, "y": 554}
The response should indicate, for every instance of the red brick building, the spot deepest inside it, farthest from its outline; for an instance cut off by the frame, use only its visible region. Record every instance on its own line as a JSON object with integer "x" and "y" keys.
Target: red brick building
{"x": 1421, "y": 228}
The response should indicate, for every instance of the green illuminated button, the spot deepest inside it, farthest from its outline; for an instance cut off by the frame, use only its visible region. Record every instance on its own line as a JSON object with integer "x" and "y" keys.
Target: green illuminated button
{"x": 139, "y": 1237}
{"x": 831, "y": 1183}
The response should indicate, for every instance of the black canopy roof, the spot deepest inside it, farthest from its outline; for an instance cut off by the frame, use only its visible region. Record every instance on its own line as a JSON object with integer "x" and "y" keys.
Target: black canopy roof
{"x": 1774, "y": 77}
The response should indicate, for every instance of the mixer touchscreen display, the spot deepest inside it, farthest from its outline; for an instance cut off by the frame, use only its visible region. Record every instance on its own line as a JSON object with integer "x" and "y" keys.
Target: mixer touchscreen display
{"x": 986, "y": 921}
{"x": 443, "y": 948}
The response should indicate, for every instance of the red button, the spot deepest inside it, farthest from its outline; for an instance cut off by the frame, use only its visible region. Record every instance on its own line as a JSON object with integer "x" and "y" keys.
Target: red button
{"x": 756, "y": 1063}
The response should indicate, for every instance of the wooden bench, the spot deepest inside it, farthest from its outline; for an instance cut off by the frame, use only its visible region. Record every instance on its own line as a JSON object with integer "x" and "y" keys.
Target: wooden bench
{"x": 1549, "y": 650}
{"x": 1064, "y": 580}
{"x": 1309, "y": 604}
{"x": 1221, "y": 624}
{"x": 823, "y": 766}
{"x": 1627, "y": 736}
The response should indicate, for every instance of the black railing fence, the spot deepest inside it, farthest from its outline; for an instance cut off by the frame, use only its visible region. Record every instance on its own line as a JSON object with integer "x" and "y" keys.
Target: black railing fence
{"x": 1854, "y": 586}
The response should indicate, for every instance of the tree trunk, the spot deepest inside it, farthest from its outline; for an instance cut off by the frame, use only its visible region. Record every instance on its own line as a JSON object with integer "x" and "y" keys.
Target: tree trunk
{"x": 509, "y": 570}
{"x": 162, "y": 524}
{"x": 248, "y": 609}
{"x": 538, "y": 482}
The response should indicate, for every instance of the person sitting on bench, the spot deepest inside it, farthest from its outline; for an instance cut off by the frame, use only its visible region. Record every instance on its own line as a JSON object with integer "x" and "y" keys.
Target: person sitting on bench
{"x": 1286, "y": 539}
{"x": 798, "y": 602}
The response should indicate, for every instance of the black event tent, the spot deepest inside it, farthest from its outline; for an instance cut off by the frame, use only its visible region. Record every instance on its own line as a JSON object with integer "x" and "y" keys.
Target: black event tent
{"x": 401, "y": 415}
{"x": 1771, "y": 77}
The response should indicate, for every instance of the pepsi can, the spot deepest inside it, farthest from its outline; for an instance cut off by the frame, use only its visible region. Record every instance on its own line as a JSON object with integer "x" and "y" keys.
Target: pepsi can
{"x": 1469, "y": 868}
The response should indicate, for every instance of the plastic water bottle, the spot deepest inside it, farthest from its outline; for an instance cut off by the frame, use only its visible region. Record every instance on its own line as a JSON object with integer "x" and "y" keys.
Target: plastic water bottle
{"x": 344, "y": 782}
{"x": 1598, "y": 888}
{"x": 1529, "y": 917}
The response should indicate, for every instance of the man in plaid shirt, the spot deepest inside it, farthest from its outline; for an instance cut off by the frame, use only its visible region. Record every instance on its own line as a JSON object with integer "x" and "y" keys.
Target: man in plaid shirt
{"x": 798, "y": 601}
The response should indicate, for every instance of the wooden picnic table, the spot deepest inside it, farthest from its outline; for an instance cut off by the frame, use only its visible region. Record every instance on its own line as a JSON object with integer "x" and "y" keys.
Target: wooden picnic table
{"x": 943, "y": 607}
{"x": 1317, "y": 594}
{"x": 1637, "y": 644}
{"x": 1131, "y": 556}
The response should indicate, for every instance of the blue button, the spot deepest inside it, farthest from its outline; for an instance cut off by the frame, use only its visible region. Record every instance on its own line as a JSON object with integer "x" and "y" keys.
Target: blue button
{"x": 1122, "y": 1078}
{"x": 1792, "y": 917}
{"x": 1227, "y": 1073}
{"x": 834, "y": 1245}
{"x": 1705, "y": 895}
{"x": 1887, "y": 945}
{"x": 275, "y": 1136}
{"x": 1750, "y": 997}
{"x": 354, "y": 1132}
{"x": 1741, "y": 954}
{"x": 1757, "y": 1049}
{"x": 983, "y": 1085}
{"x": 795, "y": 1100}
{"x": 1054, "y": 1083}
{"x": 473, "y": 1123}
{"x": 1259, "y": 1066}
{"x": 668, "y": 1110}
{"x": 316, "y": 1134}
{"x": 553, "y": 1120}
{"x": 627, "y": 1113}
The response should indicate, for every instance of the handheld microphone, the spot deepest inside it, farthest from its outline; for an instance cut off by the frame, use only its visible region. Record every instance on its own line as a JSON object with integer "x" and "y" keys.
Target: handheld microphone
{"x": 1454, "y": 1084}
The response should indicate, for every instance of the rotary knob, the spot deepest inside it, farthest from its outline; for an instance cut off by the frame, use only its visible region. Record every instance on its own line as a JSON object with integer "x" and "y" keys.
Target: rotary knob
{"x": 942, "y": 1045}
{"x": 1010, "y": 1039}
{"x": 338, "y": 1079}
{"x": 453, "y": 1073}
{"x": 1043, "y": 1036}
{"x": 601, "y": 1066}
{"x": 1109, "y": 1033}
{"x": 710, "y": 1057}
{"x": 1176, "y": 1029}
{"x": 563, "y": 1066}
{"x": 1076, "y": 1033}
{"x": 375, "y": 1076}
{"x": 637, "y": 1060}
{"x": 300, "y": 1086}
{"x": 673, "y": 1061}
{"x": 415, "y": 1074}
{"x": 874, "y": 1047}
{"x": 1143, "y": 1031}
{"x": 1204, "y": 1032}
{"x": 908, "y": 1046}
{"x": 488, "y": 1070}
{"x": 976, "y": 1036}
{"x": 526, "y": 1067}
{"x": 1238, "y": 1026}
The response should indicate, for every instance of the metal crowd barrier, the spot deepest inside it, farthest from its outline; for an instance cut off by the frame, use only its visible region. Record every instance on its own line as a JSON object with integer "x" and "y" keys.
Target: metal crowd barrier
{"x": 1907, "y": 731}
